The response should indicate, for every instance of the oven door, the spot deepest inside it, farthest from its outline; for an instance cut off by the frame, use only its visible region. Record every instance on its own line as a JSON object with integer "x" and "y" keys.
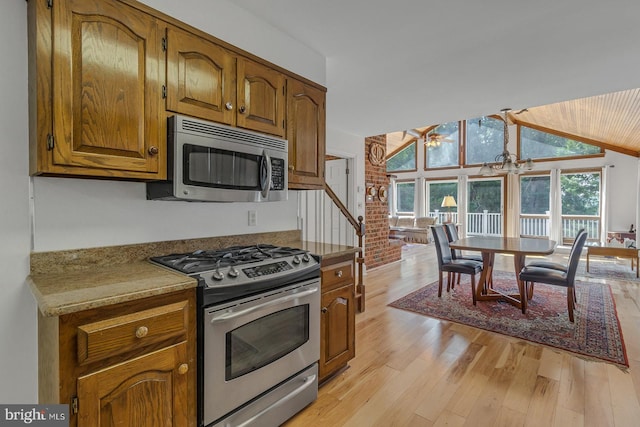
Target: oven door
{"x": 254, "y": 344}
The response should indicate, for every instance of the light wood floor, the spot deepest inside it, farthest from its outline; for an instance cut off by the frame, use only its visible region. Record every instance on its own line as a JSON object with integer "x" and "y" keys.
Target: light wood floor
{"x": 411, "y": 370}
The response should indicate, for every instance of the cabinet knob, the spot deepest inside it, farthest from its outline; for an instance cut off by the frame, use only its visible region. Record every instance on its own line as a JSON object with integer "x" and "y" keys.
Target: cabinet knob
{"x": 153, "y": 150}
{"x": 142, "y": 332}
{"x": 324, "y": 309}
{"x": 339, "y": 273}
{"x": 228, "y": 106}
{"x": 242, "y": 109}
{"x": 292, "y": 168}
{"x": 183, "y": 369}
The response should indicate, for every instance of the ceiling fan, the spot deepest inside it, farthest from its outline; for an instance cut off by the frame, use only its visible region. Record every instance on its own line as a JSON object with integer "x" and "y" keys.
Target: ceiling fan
{"x": 434, "y": 139}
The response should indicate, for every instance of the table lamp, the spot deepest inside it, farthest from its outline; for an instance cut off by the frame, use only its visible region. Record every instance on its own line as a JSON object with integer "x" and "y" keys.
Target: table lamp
{"x": 449, "y": 202}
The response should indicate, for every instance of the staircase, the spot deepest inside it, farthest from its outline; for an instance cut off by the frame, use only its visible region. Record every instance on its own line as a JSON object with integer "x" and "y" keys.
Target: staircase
{"x": 324, "y": 218}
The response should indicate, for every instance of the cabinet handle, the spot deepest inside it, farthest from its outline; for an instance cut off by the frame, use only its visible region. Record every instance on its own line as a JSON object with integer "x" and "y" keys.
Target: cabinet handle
{"x": 228, "y": 106}
{"x": 153, "y": 150}
{"x": 242, "y": 109}
{"x": 142, "y": 332}
{"x": 339, "y": 273}
{"x": 324, "y": 309}
{"x": 183, "y": 369}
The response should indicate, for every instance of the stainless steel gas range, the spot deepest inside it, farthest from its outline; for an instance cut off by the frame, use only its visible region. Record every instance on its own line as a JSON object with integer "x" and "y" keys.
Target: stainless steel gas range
{"x": 258, "y": 332}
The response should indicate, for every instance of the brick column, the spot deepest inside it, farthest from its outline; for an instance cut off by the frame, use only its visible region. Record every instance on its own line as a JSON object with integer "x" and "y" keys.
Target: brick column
{"x": 377, "y": 248}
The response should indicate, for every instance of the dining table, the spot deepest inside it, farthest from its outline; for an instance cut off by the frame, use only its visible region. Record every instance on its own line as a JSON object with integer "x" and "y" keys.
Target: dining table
{"x": 489, "y": 246}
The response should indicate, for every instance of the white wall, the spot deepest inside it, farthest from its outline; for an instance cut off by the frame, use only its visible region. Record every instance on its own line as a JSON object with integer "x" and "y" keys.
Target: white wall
{"x": 76, "y": 213}
{"x": 18, "y": 356}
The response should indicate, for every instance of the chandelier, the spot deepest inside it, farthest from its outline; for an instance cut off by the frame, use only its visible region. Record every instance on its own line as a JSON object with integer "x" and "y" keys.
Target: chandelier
{"x": 506, "y": 162}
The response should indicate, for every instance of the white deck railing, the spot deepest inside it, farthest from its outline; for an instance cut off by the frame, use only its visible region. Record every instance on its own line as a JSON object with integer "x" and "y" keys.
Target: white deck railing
{"x": 484, "y": 223}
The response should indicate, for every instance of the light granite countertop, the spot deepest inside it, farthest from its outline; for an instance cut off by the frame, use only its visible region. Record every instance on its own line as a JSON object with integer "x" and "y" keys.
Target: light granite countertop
{"x": 69, "y": 292}
{"x": 65, "y": 282}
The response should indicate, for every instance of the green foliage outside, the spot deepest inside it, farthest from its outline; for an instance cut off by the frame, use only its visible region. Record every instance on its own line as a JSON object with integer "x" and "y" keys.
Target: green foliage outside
{"x": 437, "y": 192}
{"x": 534, "y": 194}
{"x": 447, "y": 153}
{"x": 405, "y": 196}
{"x": 580, "y": 193}
{"x": 404, "y": 160}
{"x": 485, "y": 140}
{"x": 541, "y": 145}
{"x": 485, "y": 194}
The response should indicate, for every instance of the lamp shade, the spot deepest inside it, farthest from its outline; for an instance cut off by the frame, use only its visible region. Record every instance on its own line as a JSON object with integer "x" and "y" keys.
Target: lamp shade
{"x": 449, "y": 202}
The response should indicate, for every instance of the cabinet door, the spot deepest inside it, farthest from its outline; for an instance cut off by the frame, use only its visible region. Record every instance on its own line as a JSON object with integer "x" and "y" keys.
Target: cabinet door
{"x": 337, "y": 329}
{"x": 200, "y": 78}
{"x": 261, "y": 99}
{"x": 106, "y": 90}
{"x": 306, "y": 135}
{"x": 149, "y": 391}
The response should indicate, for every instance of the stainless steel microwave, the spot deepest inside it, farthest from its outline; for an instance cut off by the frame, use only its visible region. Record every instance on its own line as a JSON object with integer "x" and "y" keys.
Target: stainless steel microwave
{"x": 211, "y": 162}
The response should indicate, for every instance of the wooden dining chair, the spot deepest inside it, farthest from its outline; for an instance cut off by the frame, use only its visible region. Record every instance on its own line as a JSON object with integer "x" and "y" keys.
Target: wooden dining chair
{"x": 450, "y": 265}
{"x": 531, "y": 275}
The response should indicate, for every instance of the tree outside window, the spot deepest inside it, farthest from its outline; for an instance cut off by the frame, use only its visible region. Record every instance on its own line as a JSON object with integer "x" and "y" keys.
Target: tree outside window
{"x": 404, "y": 197}
{"x": 485, "y": 140}
{"x": 404, "y": 160}
{"x": 447, "y": 154}
{"x": 534, "y": 194}
{"x": 580, "y": 194}
{"x": 535, "y": 144}
{"x": 437, "y": 192}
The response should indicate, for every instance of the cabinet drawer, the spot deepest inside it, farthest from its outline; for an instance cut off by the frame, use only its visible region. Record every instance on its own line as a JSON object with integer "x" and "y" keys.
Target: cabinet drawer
{"x": 337, "y": 274}
{"x": 118, "y": 335}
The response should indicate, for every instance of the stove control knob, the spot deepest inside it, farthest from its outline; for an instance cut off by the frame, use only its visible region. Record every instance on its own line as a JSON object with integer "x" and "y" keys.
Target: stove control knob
{"x": 233, "y": 272}
{"x": 296, "y": 259}
{"x": 305, "y": 258}
{"x": 217, "y": 275}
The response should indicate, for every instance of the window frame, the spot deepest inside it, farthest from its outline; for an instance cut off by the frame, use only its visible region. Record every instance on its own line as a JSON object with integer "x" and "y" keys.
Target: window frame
{"x": 461, "y": 130}
{"x": 397, "y": 193}
{"x": 561, "y": 135}
{"x": 568, "y": 240}
{"x": 464, "y": 151}
{"x": 400, "y": 149}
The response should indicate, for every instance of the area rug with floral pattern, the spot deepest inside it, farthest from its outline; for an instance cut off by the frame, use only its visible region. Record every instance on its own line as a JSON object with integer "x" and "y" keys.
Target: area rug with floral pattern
{"x": 596, "y": 332}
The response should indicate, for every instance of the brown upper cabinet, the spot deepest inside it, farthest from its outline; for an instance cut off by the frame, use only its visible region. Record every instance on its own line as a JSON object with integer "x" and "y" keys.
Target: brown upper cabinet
{"x": 306, "y": 135}
{"x": 201, "y": 78}
{"x": 207, "y": 81}
{"x": 105, "y": 74}
{"x": 98, "y": 101}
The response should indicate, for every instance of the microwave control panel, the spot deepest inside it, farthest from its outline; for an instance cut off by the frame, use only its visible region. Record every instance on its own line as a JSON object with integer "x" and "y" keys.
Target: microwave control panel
{"x": 278, "y": 170}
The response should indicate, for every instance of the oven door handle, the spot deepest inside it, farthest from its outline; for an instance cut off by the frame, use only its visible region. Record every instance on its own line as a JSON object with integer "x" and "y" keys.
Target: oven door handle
{"x": 234, "y": 314}
{"x": 306, "y": 383}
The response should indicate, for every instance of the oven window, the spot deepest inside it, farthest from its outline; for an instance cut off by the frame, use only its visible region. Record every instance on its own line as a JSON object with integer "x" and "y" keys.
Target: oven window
{"x": 213, "y": 167}
{"x": 265, "y": 340}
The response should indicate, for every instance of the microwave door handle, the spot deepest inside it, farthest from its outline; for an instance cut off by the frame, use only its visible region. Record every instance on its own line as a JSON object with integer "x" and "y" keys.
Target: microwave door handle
{"x": 265, "y": 185}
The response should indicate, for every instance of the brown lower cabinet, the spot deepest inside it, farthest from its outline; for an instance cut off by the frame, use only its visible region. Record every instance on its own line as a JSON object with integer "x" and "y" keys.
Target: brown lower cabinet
{"x": 337, "y": 325}
{"x": 129, "y": 364}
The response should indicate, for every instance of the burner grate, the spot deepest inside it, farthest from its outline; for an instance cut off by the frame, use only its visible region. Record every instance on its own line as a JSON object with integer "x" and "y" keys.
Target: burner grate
{"x": 204, "y": 260}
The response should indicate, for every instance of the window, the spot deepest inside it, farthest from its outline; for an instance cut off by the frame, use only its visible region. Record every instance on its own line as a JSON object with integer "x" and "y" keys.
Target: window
{"x": 447, "y": 153}
{"x": 403, "y": 160}
{"x": 405, "y": 191}
{"x": 535, "y": 144}
{"x": 484, "y": 140}
{"x": 535, "y": 194}
{"x": 580, "y": 192}
{"x": 437, "y": 190}
{"x": 484, "y": 206}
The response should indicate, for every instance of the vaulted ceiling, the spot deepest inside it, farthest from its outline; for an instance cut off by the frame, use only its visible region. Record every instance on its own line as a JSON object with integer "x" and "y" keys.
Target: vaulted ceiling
{"x": 396, "y": 65}
{"x": 610, "y": 121}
